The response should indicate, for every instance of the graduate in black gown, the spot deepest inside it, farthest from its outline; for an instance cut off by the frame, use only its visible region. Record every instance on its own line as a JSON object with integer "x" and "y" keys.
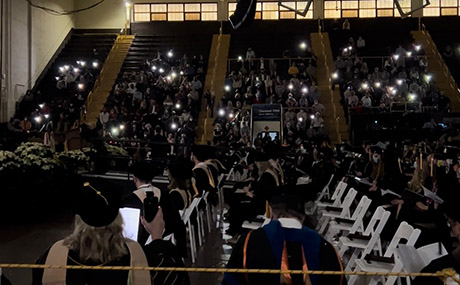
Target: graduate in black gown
{"x": 284, "y": 244}
{"x": 451, "y": 260}
{"x": 252, "y": 201}
{"x": 180, "y": 185}
{"x": 143, "y": 175}
{"x": 203, "y": 180}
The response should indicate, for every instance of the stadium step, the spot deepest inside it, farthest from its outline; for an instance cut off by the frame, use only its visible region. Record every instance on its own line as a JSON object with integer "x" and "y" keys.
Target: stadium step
{"x": 107, "y": 76}
{"x": 334, "y": 118}
{"x": 441, "y": 73}
{"x": 215, "y": 77}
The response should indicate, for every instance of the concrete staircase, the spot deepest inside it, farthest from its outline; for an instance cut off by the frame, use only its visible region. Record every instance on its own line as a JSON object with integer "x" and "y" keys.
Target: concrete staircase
{"x": 215, "y": 77}
{"x": 334, "y": 117}
{"x": 106, "y": 79}
{"x": 441, "y": 73}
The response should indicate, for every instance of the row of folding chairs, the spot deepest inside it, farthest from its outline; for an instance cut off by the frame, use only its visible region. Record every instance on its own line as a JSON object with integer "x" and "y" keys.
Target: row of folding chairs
{"x": 338, "y": 217}
{"x": 205, "y": 218}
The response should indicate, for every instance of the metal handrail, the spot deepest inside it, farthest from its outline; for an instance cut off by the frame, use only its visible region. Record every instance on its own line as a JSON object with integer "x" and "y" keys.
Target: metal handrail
{"x": 290, "y": 59}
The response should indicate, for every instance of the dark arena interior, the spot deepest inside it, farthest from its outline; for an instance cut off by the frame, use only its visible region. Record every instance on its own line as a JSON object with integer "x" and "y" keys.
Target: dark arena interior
{"x": 229, "y": 142}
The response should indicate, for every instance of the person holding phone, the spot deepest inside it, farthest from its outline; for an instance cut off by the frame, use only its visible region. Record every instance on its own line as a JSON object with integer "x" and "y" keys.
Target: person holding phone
{"x": 144, "y": 172}
{"x": 97, "y": 240}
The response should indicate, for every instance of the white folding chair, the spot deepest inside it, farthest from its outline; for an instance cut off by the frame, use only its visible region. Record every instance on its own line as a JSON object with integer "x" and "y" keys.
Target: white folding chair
{"x": 191, "y": 229}
{"x": 323, "y": 194}
{"x": 405, "y": 231}
{"x": 352, "y": 225}
{"x": 199, "y": 219}
{"x": 343, "y": 211}
{"x": 431, "y": 252}
{"x": 220, "y": 192}
{"x": 208, "y": 212}
{"x": 336, "y": 198}
{"x": 367, "y": 242}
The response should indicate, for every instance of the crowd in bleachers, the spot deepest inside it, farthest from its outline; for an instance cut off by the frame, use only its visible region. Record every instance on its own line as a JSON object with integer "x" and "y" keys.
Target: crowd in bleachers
{"x": 73, "y": 83}
{"x": 160, "y": 102}
{"x": 290, "y": 82}
{"x": 58, "y": 98}
{"x": 402, "y": 83}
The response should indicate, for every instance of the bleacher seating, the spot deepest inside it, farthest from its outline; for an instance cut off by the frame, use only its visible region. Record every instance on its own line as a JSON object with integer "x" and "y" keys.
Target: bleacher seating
{"x": 84, "y": 54}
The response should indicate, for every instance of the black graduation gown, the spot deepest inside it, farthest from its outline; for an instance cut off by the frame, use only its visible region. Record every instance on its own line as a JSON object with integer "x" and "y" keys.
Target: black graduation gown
{"x": 202, "y": 181}
{"x": 264, "y": 188}
{"x": 173, "y": 221}
{"x": 158, "y": 252}
{"x": 259, "y": 255}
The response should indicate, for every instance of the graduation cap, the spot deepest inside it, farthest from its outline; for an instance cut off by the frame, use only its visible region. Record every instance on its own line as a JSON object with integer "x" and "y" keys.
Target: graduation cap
{"x": 97, "y": 202}
{"x": 201, "y": 151}
{"x": 289, "y": 202}
{"x": 376, "y": 149}
{"x": 272, "y": 150}
{"x": 180, "y": 170}
{"x": 260, "y": 156}
{"x": 145, "y": 170}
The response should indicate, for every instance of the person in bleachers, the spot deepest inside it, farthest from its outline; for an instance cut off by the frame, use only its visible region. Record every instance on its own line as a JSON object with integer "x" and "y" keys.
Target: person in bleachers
{"x": 143, "y": 173}
{"x": 250, "y": 54}
{"x": 98, "y": 240}
{"x": 284, "y": 243}
{"x": 360, "y": 44}
{"x": 180, "y": 188}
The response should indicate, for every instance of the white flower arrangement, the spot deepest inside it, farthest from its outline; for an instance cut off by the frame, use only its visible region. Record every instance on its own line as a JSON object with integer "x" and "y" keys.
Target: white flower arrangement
{"x": 75, "y": 155}
{"x": 8, "y": 160}
{"x": 116, "y": 150}
{"x": 36, "y": 154}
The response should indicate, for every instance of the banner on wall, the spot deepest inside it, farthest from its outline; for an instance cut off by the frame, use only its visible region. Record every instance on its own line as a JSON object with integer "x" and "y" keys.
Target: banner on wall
{"x": 267, "y": 120}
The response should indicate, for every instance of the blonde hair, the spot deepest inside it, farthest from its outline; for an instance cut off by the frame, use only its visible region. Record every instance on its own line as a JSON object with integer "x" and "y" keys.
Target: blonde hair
{"x": 97, "y": 244}
{"x": 263, "y": 166}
